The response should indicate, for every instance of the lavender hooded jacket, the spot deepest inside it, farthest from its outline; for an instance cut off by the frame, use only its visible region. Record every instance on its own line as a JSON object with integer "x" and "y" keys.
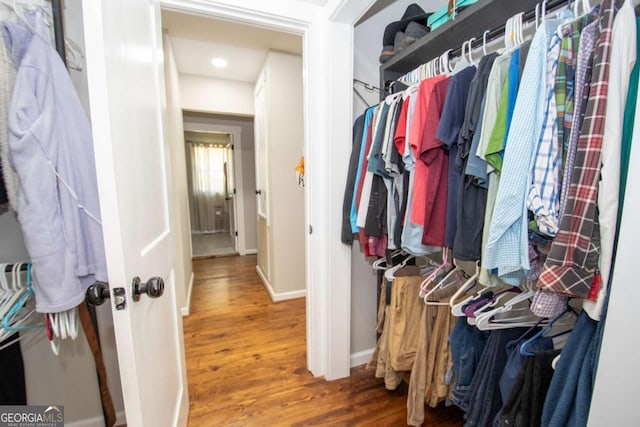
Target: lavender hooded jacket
{"x": 51, "y": 149}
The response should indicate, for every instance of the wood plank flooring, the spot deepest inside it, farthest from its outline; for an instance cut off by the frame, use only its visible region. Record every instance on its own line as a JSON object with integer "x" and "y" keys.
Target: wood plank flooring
{"x": 246, "y": 362}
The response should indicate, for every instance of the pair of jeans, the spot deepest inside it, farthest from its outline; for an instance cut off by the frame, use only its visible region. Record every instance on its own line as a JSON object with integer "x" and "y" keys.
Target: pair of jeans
{"x": 523, "y": 408}
{"x": 467, "y": 344}
{"x": 515, "y": 361}
{"x": 484, "y": 400}
{"x": 569, "y": 397}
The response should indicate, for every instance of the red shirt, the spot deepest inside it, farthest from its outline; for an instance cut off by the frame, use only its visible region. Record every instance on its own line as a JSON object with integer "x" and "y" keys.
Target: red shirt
{"x": 421, "y": 122}
{"x": 435, "y": 158}
{"x": 401, "y": 129}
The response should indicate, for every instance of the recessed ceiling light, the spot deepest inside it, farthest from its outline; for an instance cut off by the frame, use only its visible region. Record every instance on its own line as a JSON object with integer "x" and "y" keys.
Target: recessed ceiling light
{"x": 219, "y": 62}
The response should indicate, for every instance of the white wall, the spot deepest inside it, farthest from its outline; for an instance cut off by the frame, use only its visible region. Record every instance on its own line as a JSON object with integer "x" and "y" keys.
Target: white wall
{"x": 68, "y": 379}
{"x": 617, "y": 382}
{"x": 175, "y": 136}
{"x": 220, "y": 96}
{"x": 248, "y": 166}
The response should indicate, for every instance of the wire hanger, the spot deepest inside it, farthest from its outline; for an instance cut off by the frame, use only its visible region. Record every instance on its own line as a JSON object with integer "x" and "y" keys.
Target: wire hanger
{"x": 367, "y": 86}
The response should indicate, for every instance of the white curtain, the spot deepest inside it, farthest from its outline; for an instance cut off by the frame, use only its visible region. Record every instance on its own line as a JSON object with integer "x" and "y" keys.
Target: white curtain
{"x": 208, "y": 187}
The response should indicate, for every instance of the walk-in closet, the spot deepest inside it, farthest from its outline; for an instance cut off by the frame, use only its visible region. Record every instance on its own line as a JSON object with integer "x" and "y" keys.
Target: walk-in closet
{"x": 487, "y": 192}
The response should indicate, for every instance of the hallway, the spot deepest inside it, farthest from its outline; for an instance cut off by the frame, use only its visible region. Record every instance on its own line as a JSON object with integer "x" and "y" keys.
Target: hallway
{"x": 211, "y": 244}
{"x": 246, "y": 362}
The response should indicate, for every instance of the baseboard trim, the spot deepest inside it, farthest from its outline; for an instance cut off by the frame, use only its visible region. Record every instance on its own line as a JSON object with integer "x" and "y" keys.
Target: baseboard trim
{"x": 281, "y": 296}
{"x": 97, "y": 421}
{"x": 250, "y": 252}
{"x": 186, "y": 310}
{"x": 361, "y": 357}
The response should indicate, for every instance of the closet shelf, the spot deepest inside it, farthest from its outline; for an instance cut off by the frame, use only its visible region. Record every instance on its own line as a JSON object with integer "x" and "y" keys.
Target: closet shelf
{"x": 470, "y": 22}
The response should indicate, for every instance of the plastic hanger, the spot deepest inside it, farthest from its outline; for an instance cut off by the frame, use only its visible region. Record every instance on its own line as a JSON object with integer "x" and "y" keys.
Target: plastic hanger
{"x": 457, "y": 309}
{"x": 470, "y": 283}
{"x": 518, "y": 315}
{"x": 442, "y": 283}
{"x": 484, "y": 42}
{"x": 469, "y": 51}
{"x": 464, "y": 60}
{"x": 389, "y": 273}
{"x": 493, "y": 303}
{"x": 520, "y": 28}
{"x": 65, "y": 324}
{"x": 9, "y": 322}
{"x": 14, "y": 291}
{"x": 381, "y": 263}
{"x": 524, "y": 346}
{"x": 434, "y": 274}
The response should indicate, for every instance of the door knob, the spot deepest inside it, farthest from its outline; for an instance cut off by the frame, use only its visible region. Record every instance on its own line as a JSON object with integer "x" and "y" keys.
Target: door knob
{"x": 258, "y": 192}
{"x": 97, "y": 293}
{"x": 154, "y": 287}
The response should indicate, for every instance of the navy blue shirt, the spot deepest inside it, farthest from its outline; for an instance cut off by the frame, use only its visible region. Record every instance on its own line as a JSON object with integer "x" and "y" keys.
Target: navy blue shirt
{"x": 451, "y": 120}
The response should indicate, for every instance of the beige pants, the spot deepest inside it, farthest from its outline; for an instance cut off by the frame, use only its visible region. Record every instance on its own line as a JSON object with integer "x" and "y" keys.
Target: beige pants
{"x": 397, "y": 346}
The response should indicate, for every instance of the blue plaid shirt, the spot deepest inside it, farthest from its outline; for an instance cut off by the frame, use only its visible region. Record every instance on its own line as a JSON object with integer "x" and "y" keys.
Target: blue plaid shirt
{"x": 507, "y": 247}
{"x": 544, "y": 193}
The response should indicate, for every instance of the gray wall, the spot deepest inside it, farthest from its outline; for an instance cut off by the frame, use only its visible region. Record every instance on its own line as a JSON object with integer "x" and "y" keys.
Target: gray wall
{"x": 248, "y": 166}
{"x": 366, "y": 67}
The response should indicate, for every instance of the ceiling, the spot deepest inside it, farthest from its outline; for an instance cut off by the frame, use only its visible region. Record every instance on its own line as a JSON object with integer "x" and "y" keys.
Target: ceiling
{"x": 196, "y": 40}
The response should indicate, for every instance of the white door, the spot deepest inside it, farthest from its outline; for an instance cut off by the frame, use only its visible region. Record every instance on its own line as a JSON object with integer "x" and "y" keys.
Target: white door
{"x": 230, "y": 171}
{"x": 123, "y": 49}
{"x": 262, "y": 178}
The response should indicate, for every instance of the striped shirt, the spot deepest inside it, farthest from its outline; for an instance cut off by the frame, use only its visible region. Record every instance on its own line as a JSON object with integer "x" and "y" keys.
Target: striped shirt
{"x": 573, "y": 259}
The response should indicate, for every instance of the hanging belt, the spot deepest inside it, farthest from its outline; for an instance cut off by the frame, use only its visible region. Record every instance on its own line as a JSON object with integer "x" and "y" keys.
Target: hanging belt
{"x": 108, "y": 411}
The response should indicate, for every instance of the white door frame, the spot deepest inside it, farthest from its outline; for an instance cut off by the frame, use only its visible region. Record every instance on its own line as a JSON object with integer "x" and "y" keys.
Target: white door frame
{"x": 236, "y": 139}
{"x": 327, "y": 34}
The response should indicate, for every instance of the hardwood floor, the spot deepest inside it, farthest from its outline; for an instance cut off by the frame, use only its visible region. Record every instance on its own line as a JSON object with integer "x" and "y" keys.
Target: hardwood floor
{"x": 246, "y": 362}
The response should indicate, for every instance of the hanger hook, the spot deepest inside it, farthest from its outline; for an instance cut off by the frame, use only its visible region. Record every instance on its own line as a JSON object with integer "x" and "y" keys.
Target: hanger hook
{"x": 484, "y": 41}
{"x": 470, "y": 41}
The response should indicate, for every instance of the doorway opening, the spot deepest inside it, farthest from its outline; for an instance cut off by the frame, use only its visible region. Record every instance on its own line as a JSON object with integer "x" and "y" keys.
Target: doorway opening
{"x": 212, "y": 191}
{"x": 224, "y": 101}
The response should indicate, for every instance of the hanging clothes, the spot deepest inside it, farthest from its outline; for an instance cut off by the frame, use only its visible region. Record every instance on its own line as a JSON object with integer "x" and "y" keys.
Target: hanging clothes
{"x": 572, "y": 261}
{"x": 61, "y": 199}
{"x": 519, "y": 164}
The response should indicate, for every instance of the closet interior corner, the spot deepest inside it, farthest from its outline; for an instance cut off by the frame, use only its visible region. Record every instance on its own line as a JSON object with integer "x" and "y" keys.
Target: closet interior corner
{"x": 484, "y": 206}
{"x": 54, "y": 349}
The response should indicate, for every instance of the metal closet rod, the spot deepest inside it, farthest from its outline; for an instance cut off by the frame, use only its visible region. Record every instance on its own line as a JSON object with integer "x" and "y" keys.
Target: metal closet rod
{"x": 499, "y": 31}
{"x": 8, "y": 268}
{"x": 58, "y": 28}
